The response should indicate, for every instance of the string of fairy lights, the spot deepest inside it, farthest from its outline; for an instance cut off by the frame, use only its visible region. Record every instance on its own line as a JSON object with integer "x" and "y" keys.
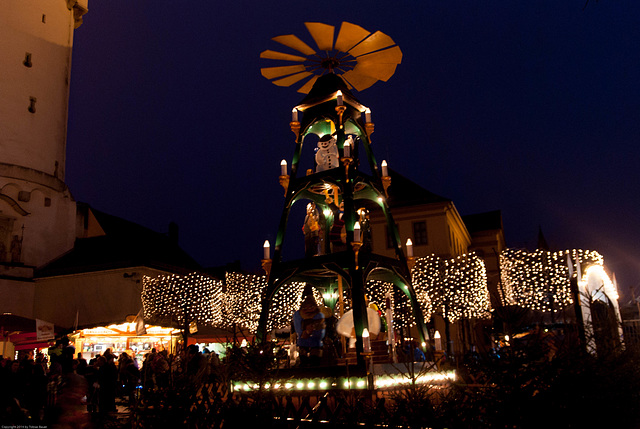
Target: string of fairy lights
{"x": 540, "y": 280}
{"x": 183, "y": 298}
{"x": 207, "y": 301}
{"x": 455, "y": 288}
{"x": 285, "y": 302}
{"x": 243, "y": 299}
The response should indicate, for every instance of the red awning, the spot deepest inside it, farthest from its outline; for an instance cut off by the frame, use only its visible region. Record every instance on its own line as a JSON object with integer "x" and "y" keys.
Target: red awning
{"x": 28, "y": 340}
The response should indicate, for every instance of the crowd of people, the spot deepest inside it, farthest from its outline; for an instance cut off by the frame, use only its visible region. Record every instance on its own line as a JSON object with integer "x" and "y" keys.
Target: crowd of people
{"x": 62, "y": 387}
{"x": 43, "y": 388}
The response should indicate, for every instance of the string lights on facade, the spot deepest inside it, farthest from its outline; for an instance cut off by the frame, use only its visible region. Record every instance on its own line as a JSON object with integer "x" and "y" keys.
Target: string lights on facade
{"x": 540, "y": 280}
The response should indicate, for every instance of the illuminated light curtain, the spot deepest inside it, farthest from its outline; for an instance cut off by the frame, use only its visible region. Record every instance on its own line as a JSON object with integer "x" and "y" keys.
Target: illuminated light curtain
{"x": 540, "y": 280}
{"x": 285, "y": 302}
{"x": 175, "y": 297}
{"x": 402, "y": 311}
{"x": 454, "y": 287}
{"x": 243, "y": 299}
{"x": 377, "y": 291}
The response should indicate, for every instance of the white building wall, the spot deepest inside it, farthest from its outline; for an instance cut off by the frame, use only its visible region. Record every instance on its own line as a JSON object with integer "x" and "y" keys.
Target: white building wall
{"x": 37, "y": 211}
{"x": 16, "y": 297}
{"x": 43, "y": 29}
{"x": 98, "y": 298}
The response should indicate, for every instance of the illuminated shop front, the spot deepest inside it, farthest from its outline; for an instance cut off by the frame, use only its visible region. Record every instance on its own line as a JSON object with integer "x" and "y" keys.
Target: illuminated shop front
{"x": 123, "y": 338}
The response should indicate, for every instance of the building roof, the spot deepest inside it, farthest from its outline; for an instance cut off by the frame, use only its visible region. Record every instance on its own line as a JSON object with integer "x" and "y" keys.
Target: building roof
{"x": 404, "y": 192}
{"x": 483, "y": 221}
{"x": 124, "y": 244}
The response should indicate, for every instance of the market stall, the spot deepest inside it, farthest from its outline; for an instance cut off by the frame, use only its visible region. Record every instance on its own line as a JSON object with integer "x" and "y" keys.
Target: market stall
{"x": 124, "y": 338}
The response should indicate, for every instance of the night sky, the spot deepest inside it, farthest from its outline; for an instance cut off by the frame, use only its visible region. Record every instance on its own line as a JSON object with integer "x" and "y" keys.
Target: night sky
{"x": 529, "y": 107}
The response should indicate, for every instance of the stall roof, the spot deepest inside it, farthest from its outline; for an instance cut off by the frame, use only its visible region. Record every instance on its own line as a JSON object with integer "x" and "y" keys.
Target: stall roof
{"x": 22, "y": 333}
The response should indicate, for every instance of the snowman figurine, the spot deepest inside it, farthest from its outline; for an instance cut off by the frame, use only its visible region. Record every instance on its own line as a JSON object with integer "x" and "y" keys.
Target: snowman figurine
{"x": 327, "y": 153}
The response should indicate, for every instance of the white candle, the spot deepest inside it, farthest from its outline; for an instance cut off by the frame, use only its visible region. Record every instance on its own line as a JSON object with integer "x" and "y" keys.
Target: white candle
{"x": 340, "y": 98}
{"x": 366, "y": 341}
{"x": 409, "y": 248}
{"x": 356, "y": 231}
{"x": 347, "y": 149}
{"x": 438, "y": 341}
{"x": 267, "y": 250}
{"x": 294, "y": 115}
{"x": 385, "y": 170}
{"x": 283, "y": 167}
{"x": 367, "y": 115}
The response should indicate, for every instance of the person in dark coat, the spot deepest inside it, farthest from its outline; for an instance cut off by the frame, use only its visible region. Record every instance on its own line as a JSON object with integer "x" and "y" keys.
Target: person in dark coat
{"x": 108, "y": 380}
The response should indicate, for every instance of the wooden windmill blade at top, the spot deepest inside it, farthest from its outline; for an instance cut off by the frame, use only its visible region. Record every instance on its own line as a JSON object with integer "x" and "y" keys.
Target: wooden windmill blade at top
{"x": 360, "y": 57}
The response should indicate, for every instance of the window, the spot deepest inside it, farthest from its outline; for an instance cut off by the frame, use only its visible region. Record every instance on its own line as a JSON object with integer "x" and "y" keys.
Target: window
{"x": 420, "y": 233}
{"x": 24, "y": 196}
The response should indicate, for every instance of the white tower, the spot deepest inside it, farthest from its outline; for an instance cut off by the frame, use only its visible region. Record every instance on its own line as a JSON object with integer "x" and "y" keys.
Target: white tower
{"x": 37, "y": 211}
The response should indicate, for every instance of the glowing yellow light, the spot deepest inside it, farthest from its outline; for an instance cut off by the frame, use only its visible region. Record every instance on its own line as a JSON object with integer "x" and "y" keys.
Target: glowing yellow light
{"x": 598, "y": 282}
{"x": 540, "y": 280}
{"x": 455, "y": 288}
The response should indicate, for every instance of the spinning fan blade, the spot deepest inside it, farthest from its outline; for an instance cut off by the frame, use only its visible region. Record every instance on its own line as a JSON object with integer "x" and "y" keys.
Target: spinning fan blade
{"x": 360, "y": 57}
{"x": 274, "y": 55}
{"x": 304, "y": 89}
{"x": 290, "y": 80}
{"x": 376, "y": 71}
{"x": 349, "y": 35}
{"x": 380, "y": 65}
{"x": 359, "y": 80}
{"x": 322, "y": 34}
{"x": 374, "y": 42}
{"x": 387, "y": 56}
{"x": 293, "y": 42}
{"x": 273, "y": 72}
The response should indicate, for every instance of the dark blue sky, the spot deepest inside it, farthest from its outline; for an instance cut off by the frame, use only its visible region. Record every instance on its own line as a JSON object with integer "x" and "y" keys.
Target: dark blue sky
{"x": 530, "y": 107}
